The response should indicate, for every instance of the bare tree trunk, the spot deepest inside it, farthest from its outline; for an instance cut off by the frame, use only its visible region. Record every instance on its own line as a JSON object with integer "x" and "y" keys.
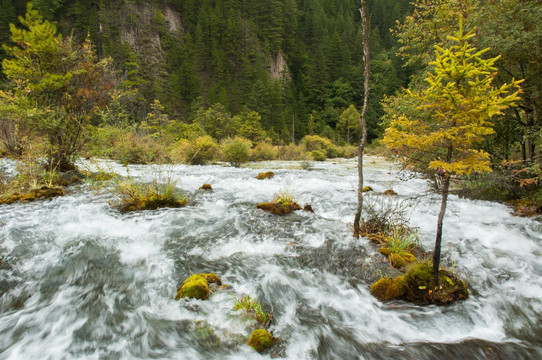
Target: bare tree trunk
{"x": 440, "y": 221}
{"x": 363, "y": 126}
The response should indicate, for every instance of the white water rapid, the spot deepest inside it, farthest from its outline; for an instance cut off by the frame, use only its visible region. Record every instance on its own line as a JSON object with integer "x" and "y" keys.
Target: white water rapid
{"x": 79, "y": 280}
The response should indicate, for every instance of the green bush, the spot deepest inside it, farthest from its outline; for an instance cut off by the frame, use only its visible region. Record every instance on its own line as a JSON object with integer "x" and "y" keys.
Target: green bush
{"x": 318, "y": 155}
{"x": 236, "y": 151}
{"x": 264, "y": 151}
{"x": 317, "y": 143}
{"x": 290, "y": 152}
{"x": 198, "y": 151}
{"x": 123, "y": 144}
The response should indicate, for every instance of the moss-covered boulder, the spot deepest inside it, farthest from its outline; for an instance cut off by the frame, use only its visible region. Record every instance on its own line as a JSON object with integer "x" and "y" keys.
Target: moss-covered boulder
{"x": 402, "y": 259}
{"x": 279, "y": 208}
{"x": 198, "y": 286}
{"x": 35, "y": 194}
{"x": 260, "y": 339}
{"x": 367, "y": 189}
{"x": 206, "y": 187}
{"x": 415, "y": 286}
{"x": 265, "y": 175}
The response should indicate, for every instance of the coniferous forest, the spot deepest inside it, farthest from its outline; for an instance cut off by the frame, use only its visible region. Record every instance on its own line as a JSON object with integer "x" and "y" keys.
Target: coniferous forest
{"x": 200, "y": 81}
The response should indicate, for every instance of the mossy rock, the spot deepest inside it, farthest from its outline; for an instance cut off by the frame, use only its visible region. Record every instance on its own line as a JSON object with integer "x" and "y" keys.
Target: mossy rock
{"x": 198, "y": 286}
{"x": 195, "y": 286}
{"x": 260, "y": 339}
{"x": 367, "y": 189}
{"x": 401, "y": 260}
{"x": 35, "y": 194}
{"x": 206, "y": 336}
{"x": 390, "y": 192}
{"x": 206, "y": 187}
{"x": 152, "y": 203}
{"x": 265, "y": 175}
{"x": 415, "y": 286}
{"x": 212, "y": 279}
{"x": 385, "y": 251}
{"x": 279, "y": 208}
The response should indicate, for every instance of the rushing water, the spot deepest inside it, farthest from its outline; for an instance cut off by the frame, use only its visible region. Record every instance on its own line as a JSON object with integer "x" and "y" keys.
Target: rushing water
{"x": 79, "y": 280}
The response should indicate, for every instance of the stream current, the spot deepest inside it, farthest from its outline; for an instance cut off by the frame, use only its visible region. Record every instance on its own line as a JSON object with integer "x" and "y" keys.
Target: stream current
{"x": 79, "y": 280}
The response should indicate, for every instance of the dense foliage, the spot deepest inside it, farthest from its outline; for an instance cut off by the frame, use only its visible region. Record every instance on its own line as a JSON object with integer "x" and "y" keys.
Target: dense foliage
{"x": 297, "y": 63}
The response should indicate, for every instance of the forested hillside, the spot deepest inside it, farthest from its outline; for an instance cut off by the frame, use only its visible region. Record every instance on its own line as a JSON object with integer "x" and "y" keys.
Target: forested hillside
{"x": 298, "y": 63}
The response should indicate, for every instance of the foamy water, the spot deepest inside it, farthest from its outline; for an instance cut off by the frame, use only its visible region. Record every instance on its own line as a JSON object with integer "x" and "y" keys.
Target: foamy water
{"x": 82, "y": 281}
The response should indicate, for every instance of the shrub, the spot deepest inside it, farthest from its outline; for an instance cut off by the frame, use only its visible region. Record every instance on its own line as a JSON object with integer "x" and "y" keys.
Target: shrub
{"x": 124, "y": 145}
{"x": 318, "y": 155}
{"x": 236, "y": 151}
{"x": 383, "y": 215}
{"x": 290, "y": 152}
{"x": 133, "y": 149}
{"x": 315, "y": 142}
{"x": 264, "y": 151}
{"x": 198, "y": 151}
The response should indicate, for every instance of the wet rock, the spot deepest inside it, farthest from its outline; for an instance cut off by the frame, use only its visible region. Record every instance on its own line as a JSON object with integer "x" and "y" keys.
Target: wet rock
{"x": 206, "y": 187}
{"x": 415, "y": 286}
{"x": 265, "y": 175}
{"x": 36, "y": 194}
{"x": 308, "y": 208}
{"x": 401, "y": 259}
{"x": 198, "y": 286}
{"x": 390, "y": 192}
{"x": 69, "y": 177}
{"x": 279, "y": 208}
{"x": 260, "y": 339}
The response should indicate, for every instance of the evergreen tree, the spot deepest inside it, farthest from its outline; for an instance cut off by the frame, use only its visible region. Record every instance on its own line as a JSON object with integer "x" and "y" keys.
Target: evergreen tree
{"x": 458, "y": 103}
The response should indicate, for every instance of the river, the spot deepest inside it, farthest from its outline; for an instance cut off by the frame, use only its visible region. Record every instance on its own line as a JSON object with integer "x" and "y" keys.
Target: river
{"x": 79, "y": 280}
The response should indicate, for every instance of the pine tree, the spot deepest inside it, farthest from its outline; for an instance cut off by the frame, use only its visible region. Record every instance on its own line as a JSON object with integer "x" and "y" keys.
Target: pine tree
{"x": 66, "y": 82}
{"x": 458, "y": 104}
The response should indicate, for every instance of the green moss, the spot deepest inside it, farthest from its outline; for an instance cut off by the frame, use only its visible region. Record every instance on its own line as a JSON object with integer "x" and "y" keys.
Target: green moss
{"x": 195, "y": 286}
{"x": 206, "y": 336}
{"x": 212, "y": 278}
{"x": 396, "y": 260}
{"x": 415, "y": 286}
{"x": 367, "y": 189}
{"x": 397, "y": 288}
{"x": 282, "y": 204}
{"x": 198, "y": 286}
{"x": 35, "y": 194}
{"x": 260, "y": 339}
{"x": 379, "y": 288}
{"x": 385, "y": 251}
{"x": 265, "y": 175}
{"x": 207, "y": 187}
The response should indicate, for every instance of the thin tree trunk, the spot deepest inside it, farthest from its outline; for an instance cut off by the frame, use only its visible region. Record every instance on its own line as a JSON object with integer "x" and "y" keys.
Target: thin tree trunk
{"x": 440, "y": 221}
{"x": 363, "y": 140}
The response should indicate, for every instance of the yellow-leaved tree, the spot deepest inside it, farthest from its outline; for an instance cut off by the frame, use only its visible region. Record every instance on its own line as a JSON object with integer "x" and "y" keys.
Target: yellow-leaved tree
{"x": 457, "y": 106}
